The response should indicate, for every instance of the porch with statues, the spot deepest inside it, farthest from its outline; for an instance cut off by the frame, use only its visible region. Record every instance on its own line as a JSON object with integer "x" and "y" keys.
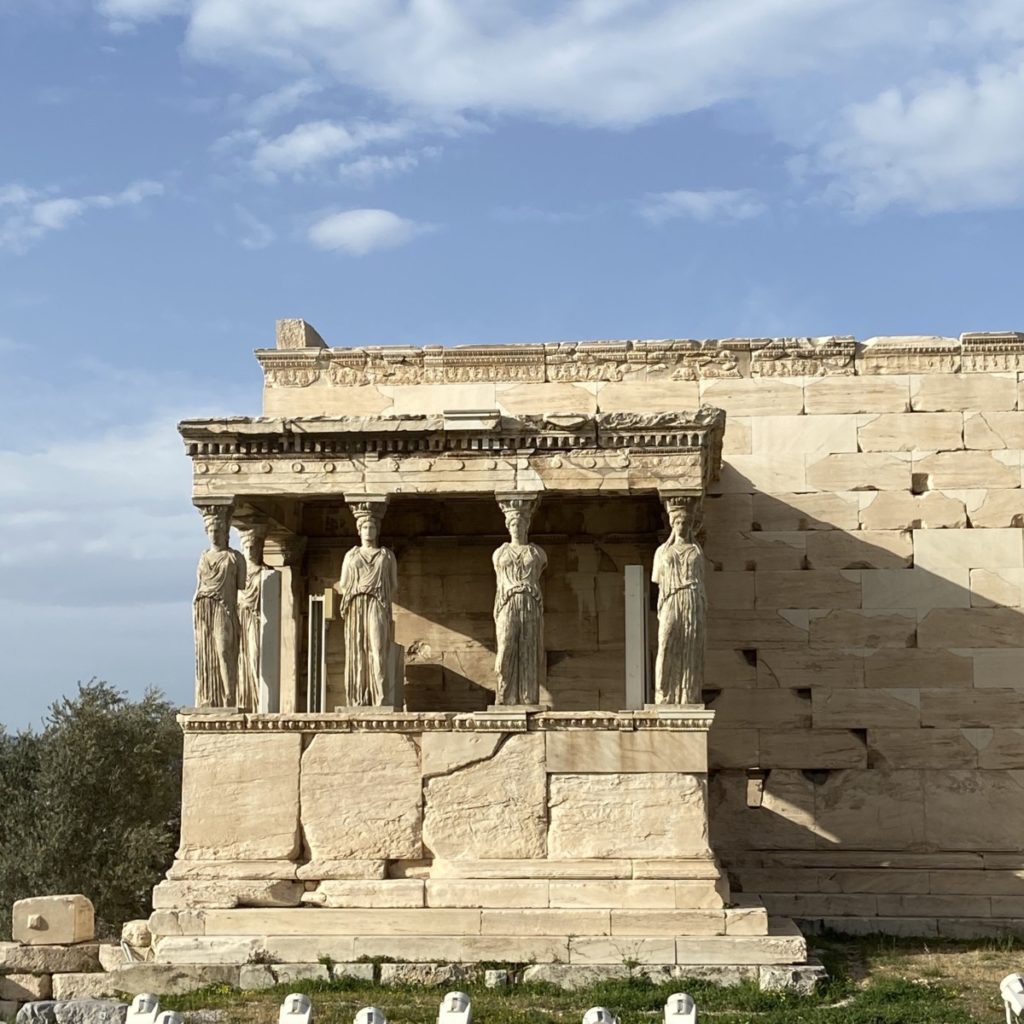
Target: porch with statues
{"x": 476, "y": 737}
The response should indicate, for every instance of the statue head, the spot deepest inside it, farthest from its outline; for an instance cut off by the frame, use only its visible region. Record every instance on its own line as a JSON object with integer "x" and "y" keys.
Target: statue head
{"x": 518, "y": 513}
{"x": 252, "y": 545}
{"x": 368, "y": 527}
{"x": 217, "y": 523}
{"x": 683, "y": 516}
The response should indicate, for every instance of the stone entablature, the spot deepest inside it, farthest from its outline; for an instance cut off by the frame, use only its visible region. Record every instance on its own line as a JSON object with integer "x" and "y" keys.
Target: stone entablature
{"x": 293, "y": 364}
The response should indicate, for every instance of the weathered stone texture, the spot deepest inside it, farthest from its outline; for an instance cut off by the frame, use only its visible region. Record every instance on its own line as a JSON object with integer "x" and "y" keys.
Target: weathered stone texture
{"x": 492, "y": 808}
{"x": 343, "y": 779}
{"x": 661, "y": 814}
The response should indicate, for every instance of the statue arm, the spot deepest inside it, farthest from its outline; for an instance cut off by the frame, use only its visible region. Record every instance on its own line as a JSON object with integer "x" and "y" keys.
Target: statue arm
{"x": 392, "y": 571}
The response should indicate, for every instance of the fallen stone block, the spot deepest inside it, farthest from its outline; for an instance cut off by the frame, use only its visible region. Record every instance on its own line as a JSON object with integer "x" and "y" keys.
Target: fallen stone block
{"x": 18, "y": 959}
{"x": 575, "y": 976}
{"x": 53, "y": 920}
{"x": 73, "y": 1011}
{"x": 171, "y": 979}
{"x": 422, "y": 974}
{"x": 801, "y": 979}
{"x": 83, "y": 986}
{"x": 25, "y": 987}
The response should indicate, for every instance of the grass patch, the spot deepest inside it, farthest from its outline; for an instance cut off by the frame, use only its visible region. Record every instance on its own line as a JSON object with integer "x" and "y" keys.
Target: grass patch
{"x": 873, "y": 980}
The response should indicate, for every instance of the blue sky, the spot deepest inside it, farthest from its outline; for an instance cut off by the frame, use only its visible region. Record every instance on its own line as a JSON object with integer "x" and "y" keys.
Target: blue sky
{"x": 177, "y": 174}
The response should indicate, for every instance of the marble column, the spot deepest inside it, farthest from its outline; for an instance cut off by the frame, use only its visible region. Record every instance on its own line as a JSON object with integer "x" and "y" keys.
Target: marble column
{"x": 285, "y": 553}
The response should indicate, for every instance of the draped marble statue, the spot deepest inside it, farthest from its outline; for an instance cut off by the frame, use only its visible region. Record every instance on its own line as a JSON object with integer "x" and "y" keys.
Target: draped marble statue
{"x": 682, "y": 608}
{"x": 518, "y": 608}
{"x": 220, "y": 576}
{"x": 249, "y": 600}
{"x": 369, "y": 577}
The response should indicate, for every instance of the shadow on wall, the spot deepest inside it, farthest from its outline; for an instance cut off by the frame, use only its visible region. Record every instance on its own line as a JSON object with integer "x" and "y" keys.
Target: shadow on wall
{"x": 867, "y": 683}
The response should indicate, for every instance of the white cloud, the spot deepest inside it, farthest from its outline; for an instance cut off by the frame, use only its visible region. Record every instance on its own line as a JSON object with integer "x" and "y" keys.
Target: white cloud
{"x": 949, "y": 142}
{"x": 702, "y": 206}
{"x": 27, "y": 215}
{"x": 358, "y": 232}
{"x": 310, "y": 144}
{"x": 281, "y": 101}
{"x": 366, "y": 169}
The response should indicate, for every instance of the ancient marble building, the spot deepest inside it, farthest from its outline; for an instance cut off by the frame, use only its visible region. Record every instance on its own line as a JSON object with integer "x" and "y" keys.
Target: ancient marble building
{"x": 461, "y": 749}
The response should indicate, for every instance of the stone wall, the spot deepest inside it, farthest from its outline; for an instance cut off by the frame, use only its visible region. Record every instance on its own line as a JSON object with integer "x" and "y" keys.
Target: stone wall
{"x": 866, "y": 631}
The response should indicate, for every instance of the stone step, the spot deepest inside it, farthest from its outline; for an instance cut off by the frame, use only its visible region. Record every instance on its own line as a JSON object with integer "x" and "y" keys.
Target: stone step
{"x": 749, "y": 919}
{"x": 784, "y": 944}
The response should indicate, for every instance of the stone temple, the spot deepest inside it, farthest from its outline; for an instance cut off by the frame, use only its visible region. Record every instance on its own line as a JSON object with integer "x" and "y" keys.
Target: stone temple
{"x": 605, "y": 653}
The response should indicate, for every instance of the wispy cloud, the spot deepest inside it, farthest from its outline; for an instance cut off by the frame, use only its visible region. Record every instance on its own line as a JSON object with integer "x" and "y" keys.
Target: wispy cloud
{"x": 702, "y": 206}
{"x": 28, "y": 215}
{"x": 255, "y": 233}
{"x": 358, "y": 232}
{"x": 285, "y": 100}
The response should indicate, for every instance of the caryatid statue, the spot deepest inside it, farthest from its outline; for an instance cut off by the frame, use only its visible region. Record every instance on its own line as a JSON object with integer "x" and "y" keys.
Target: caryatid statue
{"x": 369, "y": 577}
{"x": 682, "y": 607}
{"x": 518, "y": 607}
{"x": 220, "y": 576}
{"x": 249, "y": 598}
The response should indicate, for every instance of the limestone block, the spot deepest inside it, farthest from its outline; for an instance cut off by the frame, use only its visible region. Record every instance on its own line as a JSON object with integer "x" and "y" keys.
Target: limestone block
{"x": 772, "y": 709}
{"x": 815, "y": 748}
{"x": 227, "y": 894}
{"x": 861, "y": 709}
{"x": 785, "y": 948}
{"x": 939, "y": 431}
{"x": 732, "y": 668}
{"x": 515, "y": 948}
{"x": 782, "y": 817}
{"x": 667, "y": 922}
{"x": 25, "y": 987}
{"x": 962, "y": 392}
{"x": 170, "y": 979}
{"x": 730, "y": 590}
{"x": 417, "y": 399}
{"x": 445, "y": 752}
{"x": 793, "y": 511}
{"x": 509, "y": 893}
{"x": 177, "y": 922}
{"x": 972, "y": 627}
{"x": 343, "y": 815}
{"x": 493, "y": 808}
{"x": 752, "y": 397}
{"x": 435, "y": 975}
{"x": 987, "y": 883}
{"x": 895, "y": 667}
{"x": 83, "y": 987}
{"x": 920, "y": 432}
{"x": 952, "y": 709}
{"x": 111, "y": 955}
{"x": 809, "y": 588}
{"x": 996, "y": 748}
{"x": 757, "y": 550}
{"x": 622, "y": 950}
{"x": 747, "y": 474}
{"x": 252, "y": 977}
{"x": 307, "y": 948}
{"x": 328, "y": 922}
{"x": 16, "y": 958}
{"x": 915, "y": 588}
{"x": 660, "y": 396}
{"x": 737, "y": 439}
{"x": 934, "y": 906}
{"x": 661, "y": 814}
{"x": 920, "y": 748}
{"x": 394, "y": 892}
{"x": 859, "y": 471}
{"x": 900, "y": 510}
{"x": 576, "y": 867}
{"x": 728, "y": 513}
{"x": 889, "y": 394}
{"x": 416, "y": 948}
{"x": 219, "y": 870}
{"x": 204, "y": 950}
{"x": 535, "y": 398}
{"x": 316, "y": 870}
{"x": 800, "y": 667}
{"x": 545, "y": 922}
{"x": 751, "y": 919}
{"x": 743, "y": 628}
{"x": 240, "y": 796}
{"x": 618, "y": 751}
{"x": 613, "y": 893}
{"x": 999, "y": 668}
{"x": 865, "y": 549}
{"x": 871, "y": 809}
{"x": 950, "y": 470}
{"x": 993, "y": 587}
{"x": 707, "y": 895}
{"x": 913, "y": 927}
{"x": 994, "y": 430}
{"x": 572, "y": 977}
{"x": 998, "y": 508}
{"x": 870, "y": 627}
{"x": 733, "y": 748}
{"x": 325, "y": 400}
{"x": 53, "y": 920}
{"x": 775, "y": 436}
